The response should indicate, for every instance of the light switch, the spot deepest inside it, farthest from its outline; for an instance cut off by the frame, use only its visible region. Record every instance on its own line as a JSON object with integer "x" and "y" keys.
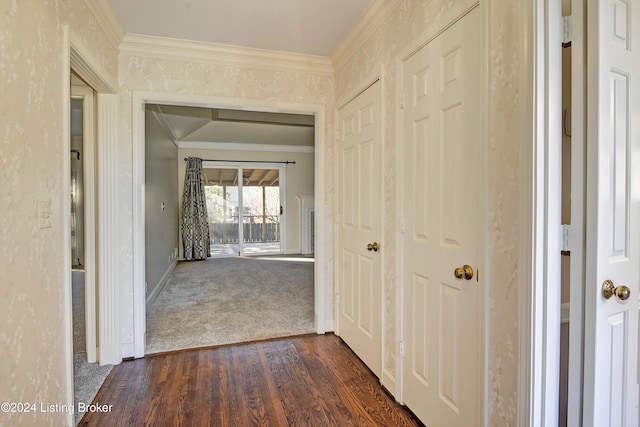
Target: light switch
{"x": 44, "y": 214}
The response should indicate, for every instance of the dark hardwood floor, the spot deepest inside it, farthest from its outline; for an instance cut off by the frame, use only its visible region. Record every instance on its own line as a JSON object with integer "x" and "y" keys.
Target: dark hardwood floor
{"x": 311, "y": 380}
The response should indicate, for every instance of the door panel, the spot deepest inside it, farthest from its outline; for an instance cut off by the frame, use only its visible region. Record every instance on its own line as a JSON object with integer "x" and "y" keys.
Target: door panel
{"x": 442, "y": 373}
{"x": 360, "y": 183}
{"x": 613, "y": 212}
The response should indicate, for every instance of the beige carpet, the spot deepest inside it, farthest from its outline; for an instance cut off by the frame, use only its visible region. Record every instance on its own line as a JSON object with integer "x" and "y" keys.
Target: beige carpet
{"x": 231, "y": 300}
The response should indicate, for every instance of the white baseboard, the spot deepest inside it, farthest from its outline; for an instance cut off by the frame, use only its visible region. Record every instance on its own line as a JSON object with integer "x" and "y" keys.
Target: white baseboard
{"x": 160, "y": 286}
{"x": 328, "y": 326}
{"x": 388, "y": 381}
{"x": 128, "y": 350}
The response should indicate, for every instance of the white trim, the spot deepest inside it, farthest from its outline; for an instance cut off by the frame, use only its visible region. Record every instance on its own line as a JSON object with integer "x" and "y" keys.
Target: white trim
{"x": 223, "y": 54}
{"x": 373, "y": 18}
{"x": 540, "y": 281}
{"x": 85, "y": 93}
{"x": 438, "y": 27}
{"x": 235, "y": 146}
{"x": 139, "y": 240}
{"x": 85, "y": 64}
{"x": 160, "y": 286}
{"x": 108, "y": 229}
{"x": 390, "y": 384}
{"x": 329, "y": 326}
{"x": 577, "y": 243}
{"x": 306, "y": 208}
{"x": 400, "y": 221}
{"x": 322, "y": 299}
{"x": 107, "y": 21}
{"x": 373, "y": 77}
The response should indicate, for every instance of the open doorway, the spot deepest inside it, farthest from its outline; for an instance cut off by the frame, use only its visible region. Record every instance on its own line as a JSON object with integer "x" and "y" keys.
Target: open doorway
{"x": 257, "y": 169}
{"x": 88, "y": 374}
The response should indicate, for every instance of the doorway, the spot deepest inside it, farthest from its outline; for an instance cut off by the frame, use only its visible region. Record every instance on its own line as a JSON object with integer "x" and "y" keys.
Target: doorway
{"x": 252, "y": 203}
{"x": 88, "y": 374}
{"x": 83, "y": 218}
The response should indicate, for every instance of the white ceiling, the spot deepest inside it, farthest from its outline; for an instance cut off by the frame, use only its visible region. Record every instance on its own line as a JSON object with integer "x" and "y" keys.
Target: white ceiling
{"x": 312, "y": 27}
{"x": 198, "y": 124}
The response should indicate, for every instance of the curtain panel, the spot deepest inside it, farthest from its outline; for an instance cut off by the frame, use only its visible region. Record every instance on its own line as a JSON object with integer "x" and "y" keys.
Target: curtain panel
{"x": 196, "y": 240}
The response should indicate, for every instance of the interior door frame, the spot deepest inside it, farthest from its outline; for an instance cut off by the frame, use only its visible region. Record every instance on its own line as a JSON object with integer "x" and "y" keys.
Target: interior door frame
{"x": 85, "y": 93}
{"x": 81, "y": 59}
{"x": 541, "y": 202}
{"x": 282, "y": 178}
{"x": 323, "y": 303}
{"x": 578, "y": 210}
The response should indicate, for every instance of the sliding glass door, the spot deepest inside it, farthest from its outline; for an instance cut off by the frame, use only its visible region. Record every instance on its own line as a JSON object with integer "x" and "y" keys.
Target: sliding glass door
{"x": 245, "y": 209}
{"x": 223, "y": 207}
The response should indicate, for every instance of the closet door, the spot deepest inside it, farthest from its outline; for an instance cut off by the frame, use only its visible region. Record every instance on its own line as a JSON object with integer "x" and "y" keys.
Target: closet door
{"x": 360, "y": 228}
{"x": 442, "y": 365}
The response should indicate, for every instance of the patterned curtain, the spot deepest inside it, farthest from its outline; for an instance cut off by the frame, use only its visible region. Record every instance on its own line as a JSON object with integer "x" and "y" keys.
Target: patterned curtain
{"x": 195, "y": 220}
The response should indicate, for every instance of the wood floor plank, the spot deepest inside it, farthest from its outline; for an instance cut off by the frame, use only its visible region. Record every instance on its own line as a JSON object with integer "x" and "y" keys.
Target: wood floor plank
{"x": 276, "y": 401}
{"x": 340, "y": 406}
{"x": 293, "y": 383}
{"x": 313, "y": 380}
{"x": 203, "y": 383}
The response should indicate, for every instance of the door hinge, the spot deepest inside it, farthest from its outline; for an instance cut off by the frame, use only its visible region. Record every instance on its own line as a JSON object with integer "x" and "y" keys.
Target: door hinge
{"x": 337, "y": 135}
{"x": 567, "y": 30}
{"x": 565, "y": 244}
{"x": 401, "y": 349}
{"x": 401, "y": 99}
{"x": 402, "y": 224}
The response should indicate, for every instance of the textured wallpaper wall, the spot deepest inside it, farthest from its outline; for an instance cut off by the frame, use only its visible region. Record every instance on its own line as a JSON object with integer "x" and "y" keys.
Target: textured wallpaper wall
{"x": 410, "y": 20}
{"x": 32, "y": 295}
{"x": 34, "y": 366}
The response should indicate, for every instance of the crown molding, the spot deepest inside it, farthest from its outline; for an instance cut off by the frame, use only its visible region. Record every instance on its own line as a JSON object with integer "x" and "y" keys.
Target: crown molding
{"x": 373, "y": 17}
{"x": 235, "y": 146}
{"x": 107, "y": 21}
{"x": 217, "y": 53}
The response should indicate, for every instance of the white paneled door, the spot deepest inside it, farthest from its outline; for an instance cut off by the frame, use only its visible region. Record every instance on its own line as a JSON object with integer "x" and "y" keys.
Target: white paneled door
{"x": 613, "y": 213}
{"x": 441, "y": 227}
{"x": 360, "y": 227}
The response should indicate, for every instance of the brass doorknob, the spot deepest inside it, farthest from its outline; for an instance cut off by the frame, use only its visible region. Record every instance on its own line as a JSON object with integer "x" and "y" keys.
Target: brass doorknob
{"x": 464, "y": 272}
{"x": 373, "y": 247}
{"x": 609, "y": 289}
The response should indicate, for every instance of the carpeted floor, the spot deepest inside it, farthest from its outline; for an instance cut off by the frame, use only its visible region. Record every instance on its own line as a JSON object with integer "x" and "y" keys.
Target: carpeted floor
{"x": 231, "y": 300}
